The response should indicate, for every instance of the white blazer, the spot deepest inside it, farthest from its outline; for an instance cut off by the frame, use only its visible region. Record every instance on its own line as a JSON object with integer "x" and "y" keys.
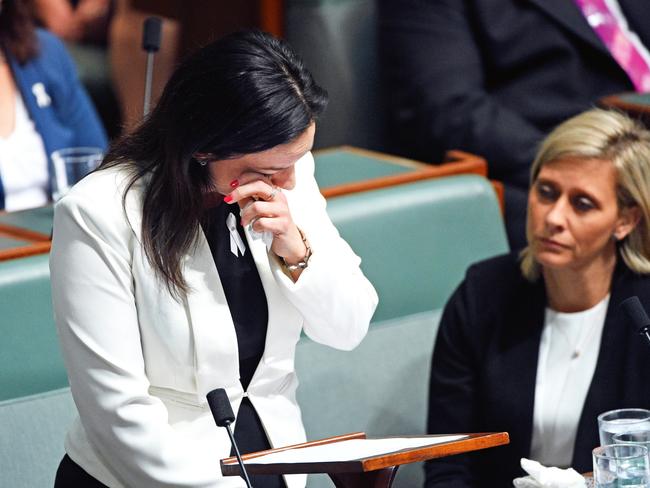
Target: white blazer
{"x": 140, "y": 363}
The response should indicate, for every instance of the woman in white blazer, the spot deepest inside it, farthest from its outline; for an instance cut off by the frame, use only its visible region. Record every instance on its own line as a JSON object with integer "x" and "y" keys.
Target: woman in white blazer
{"x": 192, "y": 260}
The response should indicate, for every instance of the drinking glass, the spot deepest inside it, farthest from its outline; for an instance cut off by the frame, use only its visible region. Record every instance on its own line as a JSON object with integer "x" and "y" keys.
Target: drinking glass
{"x": 642, "y": 438}
{"x": 70, "y": 165}
{"x": 621, "y": 465}
{"x": 622, "y": 421}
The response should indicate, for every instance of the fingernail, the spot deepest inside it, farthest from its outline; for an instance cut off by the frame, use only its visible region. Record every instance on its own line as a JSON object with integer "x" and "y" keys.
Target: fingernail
{"x": 234, "y": 183}
{"x": 227, "y": 198}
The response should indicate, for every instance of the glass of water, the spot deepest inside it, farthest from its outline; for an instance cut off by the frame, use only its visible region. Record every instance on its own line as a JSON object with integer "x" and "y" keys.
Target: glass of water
{"x": 70, "y": 165}
{"x": 642, "y": 438}
{"x": 622, "y": 421}
{"x": 621, "y": 465}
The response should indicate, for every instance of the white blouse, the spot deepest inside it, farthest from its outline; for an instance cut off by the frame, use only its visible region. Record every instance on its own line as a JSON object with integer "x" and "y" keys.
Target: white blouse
{"x": 23, "y": 163}
{"x": 568, "y": 353}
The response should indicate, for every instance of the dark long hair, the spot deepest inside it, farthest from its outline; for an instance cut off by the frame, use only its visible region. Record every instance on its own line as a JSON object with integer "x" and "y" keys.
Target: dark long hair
{"x": 245, "y": 93}
{"x": 17, "y": 30}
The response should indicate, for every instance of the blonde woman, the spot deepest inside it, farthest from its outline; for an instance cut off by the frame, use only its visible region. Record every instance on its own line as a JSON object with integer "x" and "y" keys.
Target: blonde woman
{"x": 533, "y": 342}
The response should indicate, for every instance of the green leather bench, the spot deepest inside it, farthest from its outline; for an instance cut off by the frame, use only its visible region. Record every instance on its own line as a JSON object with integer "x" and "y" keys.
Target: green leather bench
{"x": 31, "y": 440}
{"x": 34, "y": 219}
{"x": 30, "y": 360}
{"x": 416, "y": 242}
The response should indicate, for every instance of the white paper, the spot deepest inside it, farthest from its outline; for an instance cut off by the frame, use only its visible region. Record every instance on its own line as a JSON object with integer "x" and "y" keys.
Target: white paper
{"x": 350, "y": 450}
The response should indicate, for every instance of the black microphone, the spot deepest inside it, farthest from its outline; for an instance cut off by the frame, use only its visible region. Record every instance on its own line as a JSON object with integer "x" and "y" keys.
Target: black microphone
{"x": 637, "y": 314}
{"x": 223, "y": 417}
{"x": 151, "y": 33}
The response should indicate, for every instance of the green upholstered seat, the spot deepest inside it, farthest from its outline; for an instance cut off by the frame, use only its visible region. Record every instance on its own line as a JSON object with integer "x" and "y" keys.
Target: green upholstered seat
{"x": 31, "y": 439}
{"x": 30, "y": 360}
{"x": 636, "y": 98}
{"x": 34, "y": 219}
{"x": 416, "y": 241}
{"x": 337, "y": 167}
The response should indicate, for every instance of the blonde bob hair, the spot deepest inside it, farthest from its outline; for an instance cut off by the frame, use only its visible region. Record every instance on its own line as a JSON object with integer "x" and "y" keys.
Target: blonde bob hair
{"x": 611, "y": 136}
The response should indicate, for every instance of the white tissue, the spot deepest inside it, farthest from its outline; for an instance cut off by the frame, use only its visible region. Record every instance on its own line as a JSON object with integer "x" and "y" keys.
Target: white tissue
{"x": 267, "y": 237}
{"x": 543, "y": 477}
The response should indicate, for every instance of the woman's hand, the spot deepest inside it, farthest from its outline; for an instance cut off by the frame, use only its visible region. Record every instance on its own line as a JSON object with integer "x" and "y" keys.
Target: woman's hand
{"x": 264, "y": 207}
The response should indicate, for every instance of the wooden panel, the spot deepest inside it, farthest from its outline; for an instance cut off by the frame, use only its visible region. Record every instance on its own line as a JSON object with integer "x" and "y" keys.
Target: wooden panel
{"x": 636, "y": 105}
{"x": 456, "y": 163}
{"x": 26, "y": 250}
{"x": 473, "y": 442}
{"x": 272, "y": 17}
{"x": 16, "y": 242}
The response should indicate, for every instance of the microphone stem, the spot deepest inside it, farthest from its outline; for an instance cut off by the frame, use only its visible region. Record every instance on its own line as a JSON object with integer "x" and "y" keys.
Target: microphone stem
{"x": 147, "y": 83}
{"x": 239, "y": 459}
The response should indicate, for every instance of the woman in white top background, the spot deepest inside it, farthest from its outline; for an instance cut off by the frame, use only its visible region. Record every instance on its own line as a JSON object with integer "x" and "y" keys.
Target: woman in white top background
{"x": 534, "y": 342}
{"x": 43, "y": 107}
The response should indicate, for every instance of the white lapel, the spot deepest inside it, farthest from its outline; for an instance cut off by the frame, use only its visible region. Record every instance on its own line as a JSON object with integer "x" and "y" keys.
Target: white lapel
{"x": 215, "y": 340}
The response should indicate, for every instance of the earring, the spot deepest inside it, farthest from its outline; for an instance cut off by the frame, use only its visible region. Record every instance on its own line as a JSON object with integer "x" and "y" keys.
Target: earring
{"x": 202, "y": 162}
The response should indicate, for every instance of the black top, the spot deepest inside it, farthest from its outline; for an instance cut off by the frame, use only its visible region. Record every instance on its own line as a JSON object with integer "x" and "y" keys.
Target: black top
{"x": 248, "y": 307}
{"x": 485, "y": 365}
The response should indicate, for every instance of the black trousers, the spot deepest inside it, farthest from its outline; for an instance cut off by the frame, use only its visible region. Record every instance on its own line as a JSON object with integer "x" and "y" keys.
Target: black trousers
{"x": 71, "y": 475}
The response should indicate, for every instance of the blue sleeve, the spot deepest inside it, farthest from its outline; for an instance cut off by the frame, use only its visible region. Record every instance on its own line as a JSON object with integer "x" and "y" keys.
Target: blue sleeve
{"x": 71, "y": 102}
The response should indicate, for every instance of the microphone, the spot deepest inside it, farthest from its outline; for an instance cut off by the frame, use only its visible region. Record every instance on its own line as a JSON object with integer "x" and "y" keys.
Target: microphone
{"x": 223, "y": 417}
{"x": 151, "y": 33}
{"x": 637, "y": 314}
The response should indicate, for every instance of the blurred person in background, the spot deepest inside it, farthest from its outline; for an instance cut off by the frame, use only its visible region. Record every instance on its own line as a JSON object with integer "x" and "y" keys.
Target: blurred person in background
{"x": 535, "y": 343}
{"x": 43, "y": 107}
{"x": 493, "y": 77}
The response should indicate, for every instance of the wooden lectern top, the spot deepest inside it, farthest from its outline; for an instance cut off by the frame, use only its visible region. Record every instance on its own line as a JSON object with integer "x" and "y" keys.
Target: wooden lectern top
{"x": 472, "y": 442}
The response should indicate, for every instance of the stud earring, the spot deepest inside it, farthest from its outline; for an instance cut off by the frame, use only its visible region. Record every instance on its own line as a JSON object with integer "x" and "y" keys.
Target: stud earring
{"x": 202, "y": 162}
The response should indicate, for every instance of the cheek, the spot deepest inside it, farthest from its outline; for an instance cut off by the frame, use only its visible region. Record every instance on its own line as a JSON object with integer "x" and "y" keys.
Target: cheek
{"x": 593, "y": 235}
{"x": 222, "y": 175}
{"x": 535, "y": 215}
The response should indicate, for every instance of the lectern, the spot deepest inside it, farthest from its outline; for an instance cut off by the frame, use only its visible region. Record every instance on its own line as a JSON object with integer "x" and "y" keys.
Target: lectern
{"x": 366, "y": 471}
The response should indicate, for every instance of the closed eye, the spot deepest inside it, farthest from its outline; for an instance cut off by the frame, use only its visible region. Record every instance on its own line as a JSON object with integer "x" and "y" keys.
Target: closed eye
{"x": 546, "y": 192}
{"x": 582, "y": 203}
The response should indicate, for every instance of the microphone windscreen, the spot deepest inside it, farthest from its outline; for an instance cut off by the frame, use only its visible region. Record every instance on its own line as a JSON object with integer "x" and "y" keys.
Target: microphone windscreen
{"x": 636, "y": 313}
{"x": 151, "y": 34}
{"x": 220, "y": 407}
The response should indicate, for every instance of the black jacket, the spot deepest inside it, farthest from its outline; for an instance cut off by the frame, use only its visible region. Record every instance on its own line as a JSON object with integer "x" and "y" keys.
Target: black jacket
{"x": 485, "y": 365}
{"x": 493, "y": 77}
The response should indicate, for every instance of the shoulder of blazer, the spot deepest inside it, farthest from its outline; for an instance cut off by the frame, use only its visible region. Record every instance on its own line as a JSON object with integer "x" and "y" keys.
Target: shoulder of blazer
{"x": 100, "y": 197}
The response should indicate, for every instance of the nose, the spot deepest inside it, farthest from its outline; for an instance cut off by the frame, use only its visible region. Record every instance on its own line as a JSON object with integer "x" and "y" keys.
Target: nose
{"x": 285, "y": 179}
{"x": 556, "y": 216}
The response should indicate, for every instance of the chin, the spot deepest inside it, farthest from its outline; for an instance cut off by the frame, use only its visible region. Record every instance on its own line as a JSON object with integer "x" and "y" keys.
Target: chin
{"x": 552, "y": 260}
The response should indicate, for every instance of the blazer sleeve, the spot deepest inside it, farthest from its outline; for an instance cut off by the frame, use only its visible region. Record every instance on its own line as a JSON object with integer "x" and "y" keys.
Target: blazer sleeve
{"x": 72, "y": 104}
{"x": 332, "y": 294}
{"x": 97, "y": 322}
{"x": 437, "y": 90}
{"x": 452, "y": 392}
